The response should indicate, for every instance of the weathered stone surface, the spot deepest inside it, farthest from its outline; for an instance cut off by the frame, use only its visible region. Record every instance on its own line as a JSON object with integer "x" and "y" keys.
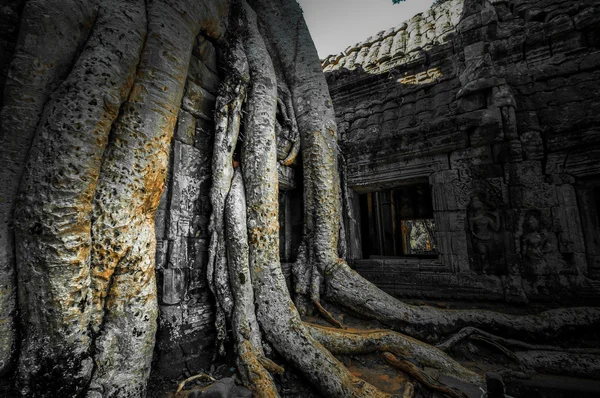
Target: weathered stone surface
{"x": 512, "y": 106}
{"x": 204, "y": 76}
{"x": 186, "y": 128}
{"x": 186, "y": 314}
{"x": 198, "y": 101}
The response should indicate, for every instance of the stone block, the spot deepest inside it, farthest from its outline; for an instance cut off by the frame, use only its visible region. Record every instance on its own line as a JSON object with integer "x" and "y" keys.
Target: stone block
{"x": 526, "y": 173}
{"x": 198, "y": 316}
{"x": 502, "y": 97}
{"x": 171, "y": 228}
{"x": 489, "y": 129}
{"x": 160, "y": 222}
{"x": 173, "y": 288}
{"x": 198, "y": 101}
{"x": 541, "y": 195}
{"x": 198, "y": 257}
{"x": 475, "y": 51}
{"x": 566, "y": 196}
{"x": 185, "y": 131}
{"x": 527, "y": 121}
{"x": 178, "y": 253}
{"x": 567, "y": 42}
{"x": 471, "y": 102}
{"x": 470, "y": 120}
{"x": 443, "y": 176}
{"x": 442, "y": 222}
{"x": 589, "y": 16}
{"x": 533, "y": 145}
{"x": 464, "y": 158}
{"x": 567, "y": 223}
{"x": 206, "y": 52}
{"x": 515, "y": 197}
{"x": 444, "y": 197}
{"x": 567, "y": 220}
{"x": 185, "y": 189}
{"x": 560, "y": 24}
{"x": 162, "y": 250}
{"x": 479, "y": 80}
{"x": 488, "y": 14}
{"x": 459, "y": 242}
{"x": 286, "y": 177}
{"x": 509, "y": 120}
{"x": 469, "y": 23}
{"x": 508, "y": 152}
{"x": 487, "y": 171}
{"x": 203, "y": 76}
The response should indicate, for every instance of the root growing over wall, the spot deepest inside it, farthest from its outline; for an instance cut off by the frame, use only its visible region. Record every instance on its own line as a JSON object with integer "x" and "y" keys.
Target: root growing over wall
{"x": 85, "y": 219}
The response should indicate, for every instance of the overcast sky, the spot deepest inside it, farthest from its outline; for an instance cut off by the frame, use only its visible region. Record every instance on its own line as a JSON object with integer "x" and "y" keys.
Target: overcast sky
{"x": 337, "y": 24}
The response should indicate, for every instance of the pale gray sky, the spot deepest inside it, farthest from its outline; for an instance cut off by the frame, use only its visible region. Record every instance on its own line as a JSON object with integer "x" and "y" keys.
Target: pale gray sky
{"x": 337, "y": 24}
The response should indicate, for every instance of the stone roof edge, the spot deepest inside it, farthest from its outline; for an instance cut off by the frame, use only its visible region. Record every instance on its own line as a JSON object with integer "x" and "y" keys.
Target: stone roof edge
{"x": 378, "y": 38}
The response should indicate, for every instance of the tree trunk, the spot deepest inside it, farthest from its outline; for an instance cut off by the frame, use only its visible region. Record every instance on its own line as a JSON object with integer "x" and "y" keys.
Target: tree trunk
{"x": 100, "y": 110}
{"x": 131, "y": 182}
{"x": 50, "y": 37}
{"x": 275, "y": 311}
{"x": 53, "y": 214}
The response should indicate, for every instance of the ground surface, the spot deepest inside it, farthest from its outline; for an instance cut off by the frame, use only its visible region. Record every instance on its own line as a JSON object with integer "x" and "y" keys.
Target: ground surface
{"x": 374, "y": 370}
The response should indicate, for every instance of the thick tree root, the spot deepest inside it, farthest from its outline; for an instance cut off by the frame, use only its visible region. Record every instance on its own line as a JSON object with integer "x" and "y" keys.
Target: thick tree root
{"x": 286, "y": 108}
{"x": 301, "y": 272}
{"x": 516, "y": 344}
{"x": 578, "y": 362}
{"x": 227, "y": 123}
{"x": 348, "y": 289}
{"x": 353, "y": 341}
{"x": 422, "y": 377}
{"x": 561, "y": 363}
{"x": 245, "y": 327}
{"x": 275, "y": 311}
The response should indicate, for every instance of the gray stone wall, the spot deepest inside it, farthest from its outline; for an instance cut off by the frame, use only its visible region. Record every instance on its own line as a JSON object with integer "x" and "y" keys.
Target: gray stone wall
{"x": 186, "y": 333}
{"x": 10, "y": 11}
{"x": 495, "y": 103}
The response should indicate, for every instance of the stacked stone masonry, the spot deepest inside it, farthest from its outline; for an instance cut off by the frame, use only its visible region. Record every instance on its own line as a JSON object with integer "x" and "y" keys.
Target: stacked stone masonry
{"x": 496, "y": 105}
{"x": 186, "y": 322}
{"x": 9, "y": 28}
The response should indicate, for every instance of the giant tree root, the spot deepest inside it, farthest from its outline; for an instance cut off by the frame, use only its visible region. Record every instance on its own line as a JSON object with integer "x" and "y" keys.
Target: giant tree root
{"x": 353, "y": 341}
{"x": 348, "y": 289}
{"x": 277, "y": 316}
{"x": 577, "y": 362}
{"x": 517, "y": 344}
{"x": 245, "y": 327}
{"x": 561, "y": 363}
{"x": 227, "y": 129}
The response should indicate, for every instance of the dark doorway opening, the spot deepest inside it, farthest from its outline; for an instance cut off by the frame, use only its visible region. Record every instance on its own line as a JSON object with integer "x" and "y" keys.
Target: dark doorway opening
{"x": 398, "y": 222}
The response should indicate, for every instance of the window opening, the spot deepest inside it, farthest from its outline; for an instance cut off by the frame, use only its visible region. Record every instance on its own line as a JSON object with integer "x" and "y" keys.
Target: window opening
{"x": 398, "y": 222}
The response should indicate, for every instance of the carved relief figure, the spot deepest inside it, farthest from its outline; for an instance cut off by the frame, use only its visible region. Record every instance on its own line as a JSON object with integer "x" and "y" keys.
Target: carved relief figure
{"x": 482, "y": 224}
{"x": 534, "y": 245}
